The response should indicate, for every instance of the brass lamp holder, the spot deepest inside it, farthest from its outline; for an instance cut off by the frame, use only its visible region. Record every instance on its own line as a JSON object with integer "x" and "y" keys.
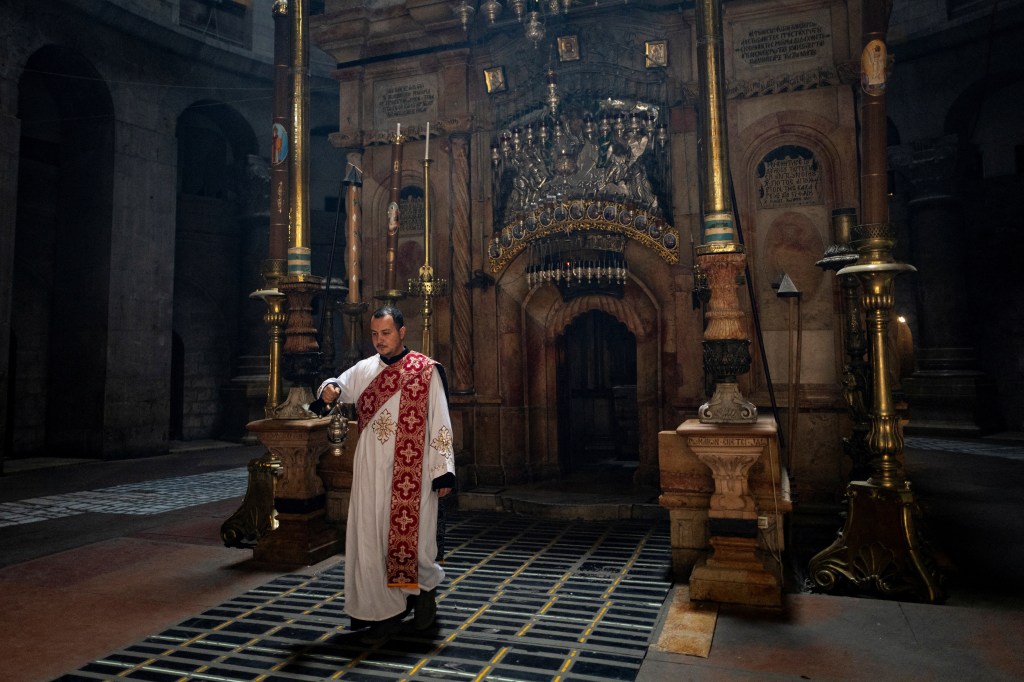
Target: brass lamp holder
{"x": 880, "y": 549}
{"x": 427, "y": 286}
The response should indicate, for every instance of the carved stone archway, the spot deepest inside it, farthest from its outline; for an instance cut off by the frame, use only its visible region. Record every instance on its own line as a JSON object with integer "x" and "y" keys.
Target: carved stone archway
{"x": 545, "y": 316}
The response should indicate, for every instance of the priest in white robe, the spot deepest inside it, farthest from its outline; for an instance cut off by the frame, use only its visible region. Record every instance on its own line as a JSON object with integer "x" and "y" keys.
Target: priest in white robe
{"x": 403, "y": 464}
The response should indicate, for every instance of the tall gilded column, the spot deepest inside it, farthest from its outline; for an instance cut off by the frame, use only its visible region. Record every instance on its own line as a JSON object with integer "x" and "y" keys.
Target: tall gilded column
{"x": 301, "y": 350}
{"x": 728, "y": 438}
{"x": 880, "y": 549}
{"x": 720, "y": 256}
{"x": 275, "y": 267}
{"x": 462, "y": 299}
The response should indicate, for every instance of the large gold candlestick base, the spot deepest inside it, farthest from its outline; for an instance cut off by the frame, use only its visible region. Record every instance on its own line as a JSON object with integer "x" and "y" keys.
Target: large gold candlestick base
{"x": 880, "y": 549}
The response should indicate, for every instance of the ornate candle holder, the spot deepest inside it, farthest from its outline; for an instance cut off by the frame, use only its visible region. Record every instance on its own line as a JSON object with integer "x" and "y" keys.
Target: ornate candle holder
{"x": 855, "y": 371}
{"x": 880, "y": 548}
{"x": 427, "y": 286}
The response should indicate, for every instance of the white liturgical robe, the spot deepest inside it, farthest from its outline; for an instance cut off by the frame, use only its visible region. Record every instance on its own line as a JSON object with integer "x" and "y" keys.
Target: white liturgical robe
{"x": 367, "y": 594}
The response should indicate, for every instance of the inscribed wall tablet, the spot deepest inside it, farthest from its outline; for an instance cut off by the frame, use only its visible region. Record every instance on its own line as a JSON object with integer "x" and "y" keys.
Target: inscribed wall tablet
{"x": 404, "y": 100}
{"x": 788, "y": 176}
{"x": 782, "y": 44}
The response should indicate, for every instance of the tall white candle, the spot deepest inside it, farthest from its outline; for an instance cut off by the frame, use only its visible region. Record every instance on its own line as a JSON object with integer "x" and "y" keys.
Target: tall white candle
{"x": 398, "y": 130}
{"x": 426, "y": 145}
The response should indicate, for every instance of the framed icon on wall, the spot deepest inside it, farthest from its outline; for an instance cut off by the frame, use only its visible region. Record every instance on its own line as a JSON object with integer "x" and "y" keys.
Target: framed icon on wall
{"x": 568, "y": 49}
{"x": 656, "y": 54}
{"x": 494, "y": 79}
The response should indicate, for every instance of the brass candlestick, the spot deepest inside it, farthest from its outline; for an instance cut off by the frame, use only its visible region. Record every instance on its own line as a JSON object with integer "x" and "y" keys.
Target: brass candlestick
{"x": 855, "y": 371}
{"x": 880, "y": 548}
{"x": 427, "y": 286}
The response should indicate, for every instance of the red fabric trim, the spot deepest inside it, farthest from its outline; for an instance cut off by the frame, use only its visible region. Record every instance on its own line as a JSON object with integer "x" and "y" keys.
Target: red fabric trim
{"x": 412, "y": 377}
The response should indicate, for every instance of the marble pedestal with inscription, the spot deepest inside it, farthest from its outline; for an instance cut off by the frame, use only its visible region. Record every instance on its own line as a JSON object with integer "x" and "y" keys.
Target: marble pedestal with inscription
{"x": 304, "y": 535}
{"x": 717, "y": 482}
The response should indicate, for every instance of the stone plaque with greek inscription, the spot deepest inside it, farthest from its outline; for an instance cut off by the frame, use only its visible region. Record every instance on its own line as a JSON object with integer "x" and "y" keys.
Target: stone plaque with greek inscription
{"x": 791, "y": 43}
{"x": 788, "y": 176}
{"x": 404, "y": 100}
{"x": 412, "y": 215}
{"x": 727, "y": 442}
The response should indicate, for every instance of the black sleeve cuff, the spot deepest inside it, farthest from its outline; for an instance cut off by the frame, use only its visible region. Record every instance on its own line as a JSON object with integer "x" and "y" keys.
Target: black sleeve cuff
{"x": 446, "y": 480}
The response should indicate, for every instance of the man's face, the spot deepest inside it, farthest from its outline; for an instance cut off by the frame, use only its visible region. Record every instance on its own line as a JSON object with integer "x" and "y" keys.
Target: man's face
{"x": 387, "y": 339}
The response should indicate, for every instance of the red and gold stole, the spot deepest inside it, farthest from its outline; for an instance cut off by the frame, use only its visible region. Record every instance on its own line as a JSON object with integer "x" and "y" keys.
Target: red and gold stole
{"x": 411, "y": 376}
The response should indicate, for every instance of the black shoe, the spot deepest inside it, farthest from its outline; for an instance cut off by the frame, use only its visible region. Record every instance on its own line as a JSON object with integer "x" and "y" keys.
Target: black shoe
{"x": 426, "y": 609}
{"x": 382, "y": 630}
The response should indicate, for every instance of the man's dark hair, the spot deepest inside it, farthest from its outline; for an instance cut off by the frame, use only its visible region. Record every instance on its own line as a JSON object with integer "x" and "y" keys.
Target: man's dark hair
{"x": 395, "y": 313}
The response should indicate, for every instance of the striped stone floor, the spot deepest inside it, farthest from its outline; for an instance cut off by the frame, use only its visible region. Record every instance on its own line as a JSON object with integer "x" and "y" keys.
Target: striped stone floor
{"x": 524, "y": 599}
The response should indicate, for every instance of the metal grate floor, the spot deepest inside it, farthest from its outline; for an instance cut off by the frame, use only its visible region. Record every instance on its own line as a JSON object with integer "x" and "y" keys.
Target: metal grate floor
{"x": 525, "y": 599}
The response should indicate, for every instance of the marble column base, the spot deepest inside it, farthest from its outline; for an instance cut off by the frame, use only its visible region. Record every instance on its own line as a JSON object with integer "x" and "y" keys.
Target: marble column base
{"x": 736, "y": 574}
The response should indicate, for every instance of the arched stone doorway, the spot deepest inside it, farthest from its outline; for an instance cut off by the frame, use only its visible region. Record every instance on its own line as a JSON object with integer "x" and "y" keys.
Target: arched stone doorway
{"x": 61, "y": 279}
{"x": 548, "y": 323}
{"x": 597, "y": 408}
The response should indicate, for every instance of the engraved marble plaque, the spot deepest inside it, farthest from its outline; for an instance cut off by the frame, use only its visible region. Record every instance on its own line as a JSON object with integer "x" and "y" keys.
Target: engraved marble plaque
{"x": 789, "y": 43}
{"x": 404, "y": 100}
{"x": 788, "y": 176}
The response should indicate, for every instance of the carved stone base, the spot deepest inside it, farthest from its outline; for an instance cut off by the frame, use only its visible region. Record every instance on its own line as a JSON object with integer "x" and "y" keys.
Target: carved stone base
{"x": 303, "y": 536}
{"x": 879, "y": 551}
{"x": 687, "y": 486}
{"x": 728, "y": 406}
{"x": 736, "y": 574}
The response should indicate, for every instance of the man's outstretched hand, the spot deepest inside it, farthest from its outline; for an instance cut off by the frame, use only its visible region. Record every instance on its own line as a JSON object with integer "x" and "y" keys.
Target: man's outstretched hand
{"x": 330, "y": 393}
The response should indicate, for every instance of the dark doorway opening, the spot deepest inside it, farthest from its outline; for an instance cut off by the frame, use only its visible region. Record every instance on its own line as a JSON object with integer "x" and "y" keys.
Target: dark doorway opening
{"x": 597, "y": 406}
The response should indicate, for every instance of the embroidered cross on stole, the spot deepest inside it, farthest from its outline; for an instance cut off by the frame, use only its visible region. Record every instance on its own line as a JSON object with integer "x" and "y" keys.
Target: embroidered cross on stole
{"x": 411, "y": 376}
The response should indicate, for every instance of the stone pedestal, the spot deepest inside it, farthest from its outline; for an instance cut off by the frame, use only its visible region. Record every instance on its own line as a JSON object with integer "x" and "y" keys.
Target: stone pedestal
{"x": 718, "y": 482}
{"x": 304, "y": 535}
{"x": 736, "y": 574}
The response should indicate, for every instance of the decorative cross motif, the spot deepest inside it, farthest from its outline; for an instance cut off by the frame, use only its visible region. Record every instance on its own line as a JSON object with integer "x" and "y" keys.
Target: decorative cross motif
{"x": 443, "y": 442}
{"x": 384, "y": 426}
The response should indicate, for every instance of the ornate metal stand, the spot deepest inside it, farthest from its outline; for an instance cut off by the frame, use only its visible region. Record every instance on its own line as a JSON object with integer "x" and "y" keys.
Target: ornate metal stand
{"x": 855, "y": 371}
{"x": 880, "y": 549}
{"x": 427, "y": 286}
{"x": 256, "y": 516}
